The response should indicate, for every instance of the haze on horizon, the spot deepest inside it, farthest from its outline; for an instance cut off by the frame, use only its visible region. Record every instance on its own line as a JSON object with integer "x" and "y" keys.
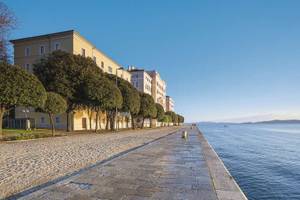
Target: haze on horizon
{"x": 222, "y": 60}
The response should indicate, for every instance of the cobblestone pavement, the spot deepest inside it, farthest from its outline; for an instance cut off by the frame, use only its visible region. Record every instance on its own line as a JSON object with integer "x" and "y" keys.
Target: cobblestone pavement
{"x": 26, "y": 164}
{"x": 169, "y": 168}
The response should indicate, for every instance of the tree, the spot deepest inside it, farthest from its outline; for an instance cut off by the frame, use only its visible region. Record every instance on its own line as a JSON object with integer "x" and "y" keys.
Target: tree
{"x": 7, "y": 23}
{"x": 148, "y": 109}
{"x": 19, "y": 88}
{"x": 65, "y": 73}
{"x": 114, "y": 100}
{"x": 173, "y": 117}
{"x": 131, "y": 98}
{"x": 180, "y": 119}
{"x": 175, "y": 120}
{"x": 167, "y": 119}
{"x": 55, "y": 104}
{"x": 97, "y": 92}
{"x": 160, "y": 112}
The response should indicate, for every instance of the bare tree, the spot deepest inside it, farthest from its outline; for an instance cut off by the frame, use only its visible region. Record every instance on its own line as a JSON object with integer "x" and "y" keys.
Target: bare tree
{"x": 7, "y": 23}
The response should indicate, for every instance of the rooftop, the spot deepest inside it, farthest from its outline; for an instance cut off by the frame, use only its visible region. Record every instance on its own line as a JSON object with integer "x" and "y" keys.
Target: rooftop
{"x": 62, "y": 33}
{"x": 68, "y": 32}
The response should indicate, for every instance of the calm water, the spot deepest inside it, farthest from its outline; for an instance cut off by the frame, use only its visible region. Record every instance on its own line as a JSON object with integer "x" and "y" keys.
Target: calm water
{"x": 263, "y": 159}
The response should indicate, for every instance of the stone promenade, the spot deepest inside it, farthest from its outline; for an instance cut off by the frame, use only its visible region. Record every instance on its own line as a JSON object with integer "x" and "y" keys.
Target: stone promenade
{"x": 168, "y": 168}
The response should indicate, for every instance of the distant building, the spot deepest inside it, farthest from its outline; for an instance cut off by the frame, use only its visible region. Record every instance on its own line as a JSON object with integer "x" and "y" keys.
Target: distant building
{"x": 141, "y": 80}
{"x": 30, "y": 50}
{"x": 169, "y": 104}
{"x": 158, "y": 88}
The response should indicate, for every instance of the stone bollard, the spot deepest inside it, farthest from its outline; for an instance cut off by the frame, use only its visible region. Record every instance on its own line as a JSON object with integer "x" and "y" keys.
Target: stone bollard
{"x": 184, "y": 134}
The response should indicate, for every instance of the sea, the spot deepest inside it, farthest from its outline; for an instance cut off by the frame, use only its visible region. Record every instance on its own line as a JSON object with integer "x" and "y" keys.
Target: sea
{"x": 264, "y": 159}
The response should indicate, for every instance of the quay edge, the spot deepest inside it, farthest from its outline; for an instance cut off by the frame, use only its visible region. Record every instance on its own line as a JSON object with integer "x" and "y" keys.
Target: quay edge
{"x": 224, "y": 184}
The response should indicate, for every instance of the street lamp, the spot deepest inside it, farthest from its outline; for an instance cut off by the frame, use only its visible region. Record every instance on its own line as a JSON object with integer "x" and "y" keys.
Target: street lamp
{"x": 27, "y": 122}
{"x": 116, "y": 118}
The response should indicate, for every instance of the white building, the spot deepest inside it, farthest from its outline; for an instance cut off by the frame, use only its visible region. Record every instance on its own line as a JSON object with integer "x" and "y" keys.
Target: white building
{"x": 158, "y": 88}
{"x": 141, "y": 80}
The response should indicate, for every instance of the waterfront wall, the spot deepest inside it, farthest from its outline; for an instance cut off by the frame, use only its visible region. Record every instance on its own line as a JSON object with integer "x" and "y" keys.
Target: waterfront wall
{"x": 224, "y": 184}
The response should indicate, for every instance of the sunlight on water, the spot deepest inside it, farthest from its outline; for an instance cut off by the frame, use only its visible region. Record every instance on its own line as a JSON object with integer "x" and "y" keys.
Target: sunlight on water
{"x": 264, "y": 159}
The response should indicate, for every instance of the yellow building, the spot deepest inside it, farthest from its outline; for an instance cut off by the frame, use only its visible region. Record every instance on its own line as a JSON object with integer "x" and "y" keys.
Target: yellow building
{"x": 30, "y": 50}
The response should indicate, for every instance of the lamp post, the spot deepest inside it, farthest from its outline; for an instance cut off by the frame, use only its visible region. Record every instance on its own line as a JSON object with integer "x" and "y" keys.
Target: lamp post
{"x": 27, "y": 122}
{"x": 116, "y": 120}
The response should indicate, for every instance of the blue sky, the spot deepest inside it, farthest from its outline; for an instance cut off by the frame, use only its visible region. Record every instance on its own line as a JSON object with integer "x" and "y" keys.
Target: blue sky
{"x": 220, "y": 59}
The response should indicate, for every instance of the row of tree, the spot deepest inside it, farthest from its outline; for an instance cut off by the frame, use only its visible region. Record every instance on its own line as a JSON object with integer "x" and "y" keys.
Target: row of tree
{"x": 75, "y": 82}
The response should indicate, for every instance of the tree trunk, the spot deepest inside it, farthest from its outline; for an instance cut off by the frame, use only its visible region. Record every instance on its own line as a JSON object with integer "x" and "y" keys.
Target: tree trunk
{"x": 107, "y": 121}
{"x": 90, "y": 113}
{"x": 52, "y": 124}
{"x": 2, "y": 110}
{"x": 68, "y": 122}
{"x": 116, "y": 120}
{"x": 97, "y": 117}
{"x": 112, "y": 122}
{"x": 150, "y": 120}
{"x": 100, "y": 120}
{"x": 143, "y": 122}
{"x": 132, "y": 122}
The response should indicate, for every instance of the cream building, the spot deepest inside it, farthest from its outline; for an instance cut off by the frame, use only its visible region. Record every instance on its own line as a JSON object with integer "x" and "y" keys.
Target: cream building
{"x": 169, "y": 104}
{"x": 30, "y": 50}
{"x": 141, "y": 80}
{"x": 158, "y": 88}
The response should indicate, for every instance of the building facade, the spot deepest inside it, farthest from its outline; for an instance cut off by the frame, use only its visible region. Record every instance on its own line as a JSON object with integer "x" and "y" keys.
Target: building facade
{"x": 30, "y": 50}
{"x": 141, "y": 80}
{"x": 170, "y": 104}
{"x": 158, "y": 88}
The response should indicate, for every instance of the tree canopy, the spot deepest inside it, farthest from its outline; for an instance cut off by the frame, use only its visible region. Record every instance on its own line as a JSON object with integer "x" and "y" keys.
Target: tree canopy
{"x": 173, "y": 115}
{"x": 19, "y": 88}
{"x": 160, "y": 112}
{"x": 101, "y": 94}
{"x": 131, "y": 97}
{"x": 167, "y": 119}
{"x": 180, "y": 118}
{"x": 65, "y": 74}
{"x": 55, "y": 104}
{"x": 148, "y": 108}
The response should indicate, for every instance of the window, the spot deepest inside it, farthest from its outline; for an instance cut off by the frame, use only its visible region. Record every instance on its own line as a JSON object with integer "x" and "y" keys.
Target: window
{"x": 27, "y": 51}
{"x": 95, "y": 59}
{"x": 102, "y": 64}
{"x": 57, "y": 46}
{"x": 42, "y": 50}
{"x": 109, "y": 69}
{"x": 57, "y": 120}
{"x": 42, "y": 120}
{"x": 83, "y": 52}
